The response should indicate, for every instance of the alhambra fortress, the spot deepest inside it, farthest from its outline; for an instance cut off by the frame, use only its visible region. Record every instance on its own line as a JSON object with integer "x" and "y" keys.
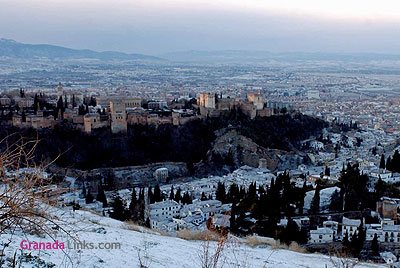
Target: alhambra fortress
{"x": 117, "y": 112}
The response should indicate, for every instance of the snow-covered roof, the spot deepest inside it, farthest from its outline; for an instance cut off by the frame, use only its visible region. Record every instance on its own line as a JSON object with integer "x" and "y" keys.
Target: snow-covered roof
{"x": 322, "y": 231}
{"x": 351, "y": 222}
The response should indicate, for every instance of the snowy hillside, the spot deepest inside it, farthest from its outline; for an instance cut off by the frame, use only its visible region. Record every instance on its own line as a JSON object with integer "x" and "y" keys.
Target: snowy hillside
{"x": 162, "y": 251}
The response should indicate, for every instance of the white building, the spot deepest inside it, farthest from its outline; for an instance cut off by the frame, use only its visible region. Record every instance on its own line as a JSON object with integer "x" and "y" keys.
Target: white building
{"x": 334, "y": 226}
{"x": 161, "y": 212}
{"x": 161, "y": 174}
{"x": 321, "y": 235}
{"x": 350, "y": 226}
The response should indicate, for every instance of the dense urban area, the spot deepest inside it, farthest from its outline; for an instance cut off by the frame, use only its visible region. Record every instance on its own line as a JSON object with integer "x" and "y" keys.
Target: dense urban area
{"x": 297, "y": 150}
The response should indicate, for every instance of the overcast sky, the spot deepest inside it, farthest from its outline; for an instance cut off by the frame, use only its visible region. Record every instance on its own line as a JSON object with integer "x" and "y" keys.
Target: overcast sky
{"x": 159, "y": 26}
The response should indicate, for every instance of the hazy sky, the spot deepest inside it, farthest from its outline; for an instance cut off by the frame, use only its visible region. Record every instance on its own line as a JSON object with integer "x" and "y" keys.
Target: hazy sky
{"x": 158, "y": 26}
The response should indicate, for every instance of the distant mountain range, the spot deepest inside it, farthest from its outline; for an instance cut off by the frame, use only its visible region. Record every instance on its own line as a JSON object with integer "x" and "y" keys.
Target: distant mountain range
{"x": 13, "y": 49}
{"x": 260, "y": 56}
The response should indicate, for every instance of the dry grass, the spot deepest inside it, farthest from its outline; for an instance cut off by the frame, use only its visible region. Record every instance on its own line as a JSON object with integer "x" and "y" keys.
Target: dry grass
{"x": 136, "y": 227}
{"x": 92, "y": 211}
{"x": 203, "y": 235}
{"x": 253, "y": 241}
{"x": 297, "y": 248}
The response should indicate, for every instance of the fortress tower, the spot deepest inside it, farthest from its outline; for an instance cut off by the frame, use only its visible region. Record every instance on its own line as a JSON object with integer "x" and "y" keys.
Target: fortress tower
{"x": 118, "y": 116}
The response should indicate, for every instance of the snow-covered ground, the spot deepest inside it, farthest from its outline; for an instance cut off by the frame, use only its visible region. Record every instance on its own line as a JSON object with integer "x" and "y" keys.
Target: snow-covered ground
{"x": 163, "y": 251}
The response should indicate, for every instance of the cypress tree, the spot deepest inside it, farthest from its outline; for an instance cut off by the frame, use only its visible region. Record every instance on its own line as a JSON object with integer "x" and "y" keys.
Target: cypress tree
{"x": 23, "y": 116}
{"x": 157, "y": 193}
{"x": 316, "y": 199}
{"x": 89, "y": 198}
{"x": 220, "y": 193}
{"x": 118, "y": 209}
{"x": 389, "y": 165}
{"x": 382, "y": 163}
{"x": 35, "y": 103}
{"x": 134, "y": 201}
{"x": 186, "y": 199}
{"x": 101, "y": 196}
{"x": 178, "y": 196}
{"x": 375, "y": 246}
{"x": 141, "y": 194}
{"x": 150, "y": 195}
{"x": 84, "y": 190}
{"x": 302, "y": 196}
{"x": 335, "y": 204}
{"x": 171, "y": 194}
{"x": 327, "y": 171}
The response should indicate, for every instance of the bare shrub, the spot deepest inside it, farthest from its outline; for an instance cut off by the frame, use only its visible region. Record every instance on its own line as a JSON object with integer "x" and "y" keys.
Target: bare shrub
{"x": 26, "y": 192}
{"x": 343, "y": 261}
{"x": 143, "y": 253}
{"x": 212, "y": 256}
{"x": 239, "y": 254}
